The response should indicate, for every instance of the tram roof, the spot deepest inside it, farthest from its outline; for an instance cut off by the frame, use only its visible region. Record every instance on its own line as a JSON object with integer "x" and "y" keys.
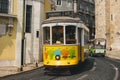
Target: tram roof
{"x": 61, "y": 19}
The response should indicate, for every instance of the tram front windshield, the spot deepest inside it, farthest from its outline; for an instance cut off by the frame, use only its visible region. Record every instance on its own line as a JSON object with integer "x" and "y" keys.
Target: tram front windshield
{"x": 57, "y": 34}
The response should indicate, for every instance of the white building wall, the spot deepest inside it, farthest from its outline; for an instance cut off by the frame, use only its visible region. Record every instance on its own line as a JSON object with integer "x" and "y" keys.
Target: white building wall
{"x": 28, "y": 56}
{"x": 19, "y": 32}
{"x": 37, "y": 19}
{"x": 32, "y": 44}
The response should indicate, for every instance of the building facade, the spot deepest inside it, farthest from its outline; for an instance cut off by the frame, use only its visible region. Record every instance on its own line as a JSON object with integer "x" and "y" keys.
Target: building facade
{"x": 47, "y": 7}
{"x": 20, "y": 22}
{"x": 107, "y": 25}
{"x": 100, "y": 17}
{"x": 33, "y": 19}
{"x": 84, "y": 9}
{"x": 8, "y": 29}
{"x": 86, "y": 12}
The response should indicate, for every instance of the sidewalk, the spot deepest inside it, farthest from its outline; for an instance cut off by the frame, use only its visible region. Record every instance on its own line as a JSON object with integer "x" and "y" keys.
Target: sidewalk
{"x": 10, "y": 70}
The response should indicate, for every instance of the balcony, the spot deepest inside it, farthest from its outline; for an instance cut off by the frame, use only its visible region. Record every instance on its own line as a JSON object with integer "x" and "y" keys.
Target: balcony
{"x": 7, "y": 15}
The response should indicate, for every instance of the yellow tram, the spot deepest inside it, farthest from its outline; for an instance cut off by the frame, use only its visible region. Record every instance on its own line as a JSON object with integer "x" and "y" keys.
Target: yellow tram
{"x": 64, "y": 42}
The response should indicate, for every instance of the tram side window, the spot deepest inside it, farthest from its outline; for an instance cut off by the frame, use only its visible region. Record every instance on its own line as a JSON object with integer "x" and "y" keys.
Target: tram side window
{"x": 57, "y": 34}
{"x": 46, "y": 35}
{"x": 70, "y": 34}
{"x": 86, "y": 35}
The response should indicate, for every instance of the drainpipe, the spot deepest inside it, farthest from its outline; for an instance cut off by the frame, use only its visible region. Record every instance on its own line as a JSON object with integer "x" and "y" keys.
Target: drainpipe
{"x": 23, "y": 37}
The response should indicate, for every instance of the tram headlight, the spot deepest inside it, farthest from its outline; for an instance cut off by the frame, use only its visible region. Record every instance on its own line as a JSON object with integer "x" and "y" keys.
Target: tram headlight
{"x": 57, "y": 57}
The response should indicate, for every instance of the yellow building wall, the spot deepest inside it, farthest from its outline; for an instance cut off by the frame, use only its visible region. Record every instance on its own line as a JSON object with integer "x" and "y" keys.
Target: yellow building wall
{"x": 47, "y": 7}
{"x": 8, "y": 43}
{"x": 15, "y": 7}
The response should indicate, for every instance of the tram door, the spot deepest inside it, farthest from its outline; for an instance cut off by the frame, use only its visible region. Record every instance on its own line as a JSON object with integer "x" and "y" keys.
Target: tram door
{"x": 80, "y": 42}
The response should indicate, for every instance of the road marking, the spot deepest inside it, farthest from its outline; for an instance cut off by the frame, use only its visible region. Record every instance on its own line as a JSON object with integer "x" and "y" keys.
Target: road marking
{"x": 93, "y": 69}
{"x": 82, "y": 77}
{"x": 116, "y": 71}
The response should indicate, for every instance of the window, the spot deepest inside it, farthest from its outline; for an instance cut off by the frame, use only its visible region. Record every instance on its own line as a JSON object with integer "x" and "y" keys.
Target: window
{"x": 4, "y": 6}
{"x": 58, "y": 2}
{"x": 99, "y": 47}
{"x": 111, "y": 17}
{"x": 86, "y": 37}
{"x": 57, "y": 34}
{"x": 70, "y": 34}
{"x": 46, "y": 35}
{"x": 28, "y": 18}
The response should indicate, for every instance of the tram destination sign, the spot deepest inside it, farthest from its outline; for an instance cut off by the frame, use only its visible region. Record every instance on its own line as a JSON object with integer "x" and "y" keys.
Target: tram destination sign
{"x": 59, "y": 13}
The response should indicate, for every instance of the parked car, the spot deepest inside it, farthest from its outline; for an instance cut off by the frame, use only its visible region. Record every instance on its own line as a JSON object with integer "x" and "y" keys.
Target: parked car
{"x": 97, "y": 50}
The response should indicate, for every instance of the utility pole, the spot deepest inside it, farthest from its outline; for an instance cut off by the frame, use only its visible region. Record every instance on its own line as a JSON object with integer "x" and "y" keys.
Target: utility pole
{"x": 23, "y": 37}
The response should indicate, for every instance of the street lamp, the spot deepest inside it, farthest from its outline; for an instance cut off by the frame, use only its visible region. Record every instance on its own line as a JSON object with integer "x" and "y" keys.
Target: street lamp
{"x": 10, "y": 26}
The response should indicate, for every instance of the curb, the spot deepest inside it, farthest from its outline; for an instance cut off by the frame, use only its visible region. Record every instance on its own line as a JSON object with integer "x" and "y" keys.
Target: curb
{"x": 22, "y": 72}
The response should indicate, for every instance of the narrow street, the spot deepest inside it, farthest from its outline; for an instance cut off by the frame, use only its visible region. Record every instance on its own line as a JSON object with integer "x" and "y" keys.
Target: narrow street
{"x": 94, "y": 68}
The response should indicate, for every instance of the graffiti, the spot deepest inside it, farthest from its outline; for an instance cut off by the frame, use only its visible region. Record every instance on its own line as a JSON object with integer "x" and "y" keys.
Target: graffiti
{"x": 64, "y": 53}
{"x": 46, "y": 54}
{"x": 51, "y": 54}
{"x": 57, "y": 52}
{"x": 72, "y": 53}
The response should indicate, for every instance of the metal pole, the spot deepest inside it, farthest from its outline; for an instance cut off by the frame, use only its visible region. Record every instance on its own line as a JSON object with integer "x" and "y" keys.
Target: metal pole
{"x": 23, "y": 37}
